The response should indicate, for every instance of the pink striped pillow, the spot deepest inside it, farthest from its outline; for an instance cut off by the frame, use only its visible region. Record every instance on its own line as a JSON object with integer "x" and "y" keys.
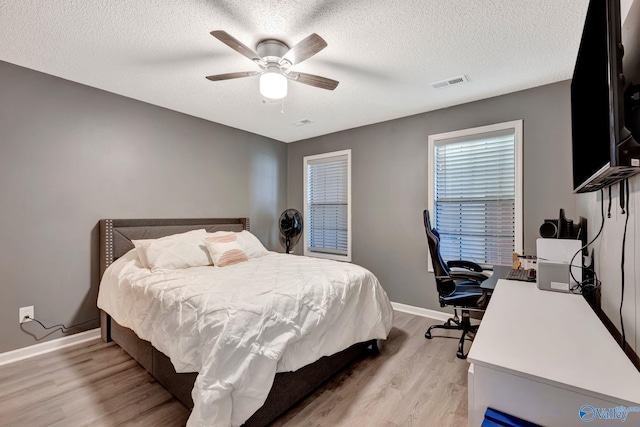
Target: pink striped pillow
{"x": 225, "y": 250}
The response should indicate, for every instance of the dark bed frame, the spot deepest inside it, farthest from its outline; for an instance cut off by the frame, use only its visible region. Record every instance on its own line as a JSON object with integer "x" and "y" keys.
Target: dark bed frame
{"x": 288, "y": 387}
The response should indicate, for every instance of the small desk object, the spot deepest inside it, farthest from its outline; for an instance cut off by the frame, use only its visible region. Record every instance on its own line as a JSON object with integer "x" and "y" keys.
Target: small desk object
{"x": 545, "y": 357}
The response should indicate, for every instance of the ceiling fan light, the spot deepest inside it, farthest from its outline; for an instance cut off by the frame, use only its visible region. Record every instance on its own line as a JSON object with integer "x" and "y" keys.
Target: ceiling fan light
{"x": 273, "y": 85}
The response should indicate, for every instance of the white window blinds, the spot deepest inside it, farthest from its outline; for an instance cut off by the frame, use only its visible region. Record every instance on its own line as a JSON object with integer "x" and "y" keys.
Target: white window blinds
{"x": 475, "y": 197}
{"x": 327, "y": 205}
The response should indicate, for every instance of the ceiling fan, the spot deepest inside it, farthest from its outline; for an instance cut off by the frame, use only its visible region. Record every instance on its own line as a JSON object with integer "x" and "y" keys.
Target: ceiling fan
{"x": 275, "y": 59}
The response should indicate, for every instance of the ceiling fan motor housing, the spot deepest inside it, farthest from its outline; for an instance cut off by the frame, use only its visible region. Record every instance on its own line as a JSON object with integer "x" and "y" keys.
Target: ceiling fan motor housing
{"x": 272, "y": 50}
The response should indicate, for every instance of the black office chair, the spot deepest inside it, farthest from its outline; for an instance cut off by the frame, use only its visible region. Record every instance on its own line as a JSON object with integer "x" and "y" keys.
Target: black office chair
{"x": 459, "y": 288}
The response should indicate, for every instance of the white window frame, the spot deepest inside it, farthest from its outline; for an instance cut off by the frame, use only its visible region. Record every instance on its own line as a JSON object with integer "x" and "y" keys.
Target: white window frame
{"x": 516, "y": 126}
{"x": 307, "y": 251}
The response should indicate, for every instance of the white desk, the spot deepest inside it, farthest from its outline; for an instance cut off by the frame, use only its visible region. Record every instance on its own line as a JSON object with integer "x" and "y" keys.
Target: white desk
{"x": 542, "y": 355}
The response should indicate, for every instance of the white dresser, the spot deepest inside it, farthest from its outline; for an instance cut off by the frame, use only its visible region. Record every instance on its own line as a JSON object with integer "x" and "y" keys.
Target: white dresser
{"x": 542, "y": 356}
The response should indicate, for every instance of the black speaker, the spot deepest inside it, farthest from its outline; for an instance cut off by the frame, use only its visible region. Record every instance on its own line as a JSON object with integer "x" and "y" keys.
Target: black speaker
{"x": 565, "y": 227}
{"x": 549, "y": 229}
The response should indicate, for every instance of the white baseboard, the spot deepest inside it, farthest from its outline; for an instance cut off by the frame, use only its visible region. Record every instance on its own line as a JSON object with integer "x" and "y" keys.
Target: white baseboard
{"x": 46, "y": 347}
{"x": 423, "y": 312}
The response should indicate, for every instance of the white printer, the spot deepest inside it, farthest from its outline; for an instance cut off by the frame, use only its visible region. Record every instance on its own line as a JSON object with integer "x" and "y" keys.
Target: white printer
{"x": 554, "y": 256}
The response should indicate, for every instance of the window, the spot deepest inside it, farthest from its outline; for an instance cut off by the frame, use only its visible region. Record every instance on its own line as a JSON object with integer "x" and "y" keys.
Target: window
{"x": 475, "y": 197}
{"x": 327, "y": 205}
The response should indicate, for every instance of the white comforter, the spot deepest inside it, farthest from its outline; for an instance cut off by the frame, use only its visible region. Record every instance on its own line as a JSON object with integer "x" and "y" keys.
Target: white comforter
{"x": 239, "y": 325}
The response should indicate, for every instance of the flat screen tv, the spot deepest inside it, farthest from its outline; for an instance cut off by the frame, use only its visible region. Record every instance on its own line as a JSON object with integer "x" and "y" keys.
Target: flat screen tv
{"x": 605, "y": 96}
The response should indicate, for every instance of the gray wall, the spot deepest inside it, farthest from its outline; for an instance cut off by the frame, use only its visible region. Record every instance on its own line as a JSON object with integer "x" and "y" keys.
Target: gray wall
{"x": 608, "y": 252}
{"x": 390, "y": 178}
{"x": 71, "y": 155}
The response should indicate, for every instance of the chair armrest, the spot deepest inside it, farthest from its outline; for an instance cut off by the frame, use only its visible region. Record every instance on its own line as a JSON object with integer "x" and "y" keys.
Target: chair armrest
{"x": 465, "y": 264}
{"x": 468, "y": 275}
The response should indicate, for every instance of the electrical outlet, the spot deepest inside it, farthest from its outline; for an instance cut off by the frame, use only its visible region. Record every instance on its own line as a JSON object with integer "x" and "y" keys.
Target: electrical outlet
{"x": 26, "y": 312}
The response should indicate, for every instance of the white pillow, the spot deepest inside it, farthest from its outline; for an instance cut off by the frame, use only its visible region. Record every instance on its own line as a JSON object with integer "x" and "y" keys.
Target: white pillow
{"x": 177, "y": 251}
{"x": 140, "y": 250}
{"x": 225, "y": 249}
{"x": 251, "y": 245}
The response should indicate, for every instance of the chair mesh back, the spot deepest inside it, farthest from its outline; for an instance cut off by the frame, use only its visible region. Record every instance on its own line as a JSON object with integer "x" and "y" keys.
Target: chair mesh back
{"x": 445, "y": 284}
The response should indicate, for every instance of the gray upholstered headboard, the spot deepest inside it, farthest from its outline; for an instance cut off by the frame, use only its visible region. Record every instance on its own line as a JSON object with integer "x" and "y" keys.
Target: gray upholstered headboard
{"x": 116, "y": 234}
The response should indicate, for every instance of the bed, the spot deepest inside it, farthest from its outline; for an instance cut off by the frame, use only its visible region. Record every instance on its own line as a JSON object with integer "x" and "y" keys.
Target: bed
{"x": 238, "y": 384}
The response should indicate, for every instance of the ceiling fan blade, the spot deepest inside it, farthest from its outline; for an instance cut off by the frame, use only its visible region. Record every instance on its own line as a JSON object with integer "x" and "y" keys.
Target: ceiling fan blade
{"x": 313, "y": 80}
{"x": 236, "y": 45}
{"x": 229, "y": 76}
{"x": 304, "y": 50}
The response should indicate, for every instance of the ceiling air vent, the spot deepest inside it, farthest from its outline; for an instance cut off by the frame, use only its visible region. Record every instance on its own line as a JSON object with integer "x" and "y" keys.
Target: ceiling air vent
{"x": 301, "y": 122}
{"x": 449, "y": 82}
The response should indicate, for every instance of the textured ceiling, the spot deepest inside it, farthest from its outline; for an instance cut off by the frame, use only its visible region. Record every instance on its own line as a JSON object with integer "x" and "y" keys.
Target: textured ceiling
{"x": 384, "y": 53}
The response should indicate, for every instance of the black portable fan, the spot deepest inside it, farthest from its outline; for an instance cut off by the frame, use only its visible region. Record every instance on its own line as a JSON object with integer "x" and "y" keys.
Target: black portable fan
{"x": 290, "y": 227}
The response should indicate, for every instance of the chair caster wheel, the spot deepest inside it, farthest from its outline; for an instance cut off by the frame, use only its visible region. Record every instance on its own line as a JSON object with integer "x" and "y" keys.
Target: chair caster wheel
{"x": 461, "y": 355}
{"x": 427, "y": 335}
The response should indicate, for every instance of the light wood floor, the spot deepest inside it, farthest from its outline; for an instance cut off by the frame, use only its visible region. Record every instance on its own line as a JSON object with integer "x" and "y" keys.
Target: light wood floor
{"x": 412, "y": 382}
